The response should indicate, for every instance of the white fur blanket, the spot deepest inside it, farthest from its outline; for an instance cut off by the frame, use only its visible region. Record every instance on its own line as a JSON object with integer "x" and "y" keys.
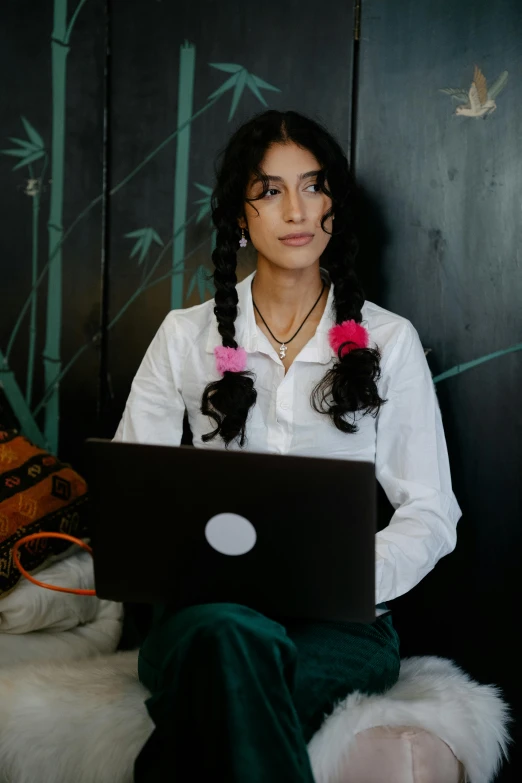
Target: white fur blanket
{"x": 86, "y": 720}
{"x": 38, "y": 624}
{"x": 32, "y": 608}
{"x": 100, "y": 636}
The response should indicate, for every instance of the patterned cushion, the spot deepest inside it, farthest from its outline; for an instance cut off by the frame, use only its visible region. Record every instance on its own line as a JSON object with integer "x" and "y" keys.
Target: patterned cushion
{"x": 38, "y": 493}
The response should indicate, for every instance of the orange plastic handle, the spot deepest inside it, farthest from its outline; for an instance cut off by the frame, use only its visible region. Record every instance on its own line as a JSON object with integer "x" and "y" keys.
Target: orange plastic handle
{"x": 34, "y": 536}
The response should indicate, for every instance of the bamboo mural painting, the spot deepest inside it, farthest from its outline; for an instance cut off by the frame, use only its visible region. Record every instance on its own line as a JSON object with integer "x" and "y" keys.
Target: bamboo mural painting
{"x": 187, "y": 65}
{"x": 51, "y": 354}
{"x": 16, "y": 400}
{"x": 54, "y": 372}
{"x": 149, "y": 249}
{"x": 33, "y": 190}
{"x": 201, "y": 277}
{"x": 30, "y": 151}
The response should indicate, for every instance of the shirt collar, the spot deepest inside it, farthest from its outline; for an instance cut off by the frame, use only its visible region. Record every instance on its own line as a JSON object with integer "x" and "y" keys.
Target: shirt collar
{"x": 247, "y": 330}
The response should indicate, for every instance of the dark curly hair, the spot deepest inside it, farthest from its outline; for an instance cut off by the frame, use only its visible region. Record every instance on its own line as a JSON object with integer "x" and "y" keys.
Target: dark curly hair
{"x": 350, "y": 385}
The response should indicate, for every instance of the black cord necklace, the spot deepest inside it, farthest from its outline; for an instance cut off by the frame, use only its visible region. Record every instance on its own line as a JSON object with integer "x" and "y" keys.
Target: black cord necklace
{"x": 282, "y": 345}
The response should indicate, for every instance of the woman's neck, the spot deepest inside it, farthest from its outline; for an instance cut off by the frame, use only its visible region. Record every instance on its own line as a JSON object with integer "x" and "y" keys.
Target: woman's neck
{"x": 285, "y": 296}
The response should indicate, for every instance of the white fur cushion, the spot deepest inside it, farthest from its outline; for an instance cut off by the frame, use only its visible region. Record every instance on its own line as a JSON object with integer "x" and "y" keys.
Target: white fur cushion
{"x": 86, "y": 720}
{"x": 432, "y": 694}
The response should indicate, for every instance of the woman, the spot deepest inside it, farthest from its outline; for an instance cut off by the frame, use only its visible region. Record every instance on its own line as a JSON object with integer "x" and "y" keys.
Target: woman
{"x": 293, "y": 360}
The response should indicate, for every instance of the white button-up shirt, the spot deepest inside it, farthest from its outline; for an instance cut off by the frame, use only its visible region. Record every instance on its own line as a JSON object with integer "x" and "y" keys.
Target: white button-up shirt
{"x": 405, "y": 441}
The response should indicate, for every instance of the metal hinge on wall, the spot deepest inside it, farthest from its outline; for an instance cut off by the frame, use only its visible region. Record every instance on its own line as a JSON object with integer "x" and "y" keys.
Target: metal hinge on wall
{"x": 357, "y": 20}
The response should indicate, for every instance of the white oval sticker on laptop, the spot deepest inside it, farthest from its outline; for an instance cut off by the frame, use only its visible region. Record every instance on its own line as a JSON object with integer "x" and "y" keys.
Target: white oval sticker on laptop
{"x": 230, "y": 534}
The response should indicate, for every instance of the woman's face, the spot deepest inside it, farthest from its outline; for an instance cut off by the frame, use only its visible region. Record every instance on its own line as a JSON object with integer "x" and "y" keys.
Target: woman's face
{"x": 292, "y": 205}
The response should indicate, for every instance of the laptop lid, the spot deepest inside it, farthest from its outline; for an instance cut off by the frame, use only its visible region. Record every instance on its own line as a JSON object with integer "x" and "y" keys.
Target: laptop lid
{"x": 293, "y": 537}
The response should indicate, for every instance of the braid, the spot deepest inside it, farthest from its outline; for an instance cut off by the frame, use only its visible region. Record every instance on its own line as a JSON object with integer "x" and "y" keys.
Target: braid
{"x": 349, "y": 296}
{"x": 228, "y": 400}
{"x": 351, "y": 384}
{"x": 225, "y": 279}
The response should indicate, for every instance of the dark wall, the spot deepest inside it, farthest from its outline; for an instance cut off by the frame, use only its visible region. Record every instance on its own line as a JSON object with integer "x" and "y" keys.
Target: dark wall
{"x": 127, "y": 218}
{"x": 445, "y": 190}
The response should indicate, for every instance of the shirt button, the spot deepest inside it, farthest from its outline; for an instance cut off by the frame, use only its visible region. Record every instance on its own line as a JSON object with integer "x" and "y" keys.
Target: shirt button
{"x": 284, "y": 405}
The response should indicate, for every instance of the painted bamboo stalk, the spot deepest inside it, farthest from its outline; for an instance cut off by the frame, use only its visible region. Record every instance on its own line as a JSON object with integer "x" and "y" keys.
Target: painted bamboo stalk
{"x": 32, "y": 312}
{"x": 17, "y": 402}
{"x": 51, "y": 356}
{"x": 34, "y": 276}
{"x": 187, "y": 62}
{"x": 460, "y": 368}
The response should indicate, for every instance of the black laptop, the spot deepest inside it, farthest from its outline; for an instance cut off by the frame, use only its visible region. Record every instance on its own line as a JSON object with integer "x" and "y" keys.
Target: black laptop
{"x": 292, "y": 537}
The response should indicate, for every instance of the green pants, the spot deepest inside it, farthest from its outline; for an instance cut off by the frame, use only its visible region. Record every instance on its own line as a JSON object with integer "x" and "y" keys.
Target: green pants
{"x": 236, "y": 697}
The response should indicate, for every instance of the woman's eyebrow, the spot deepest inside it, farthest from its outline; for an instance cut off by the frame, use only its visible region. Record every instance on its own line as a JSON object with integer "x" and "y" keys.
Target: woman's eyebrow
{"x": 274, "y": 178}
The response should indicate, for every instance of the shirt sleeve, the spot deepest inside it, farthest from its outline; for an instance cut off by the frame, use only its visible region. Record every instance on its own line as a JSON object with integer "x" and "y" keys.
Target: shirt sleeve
{"x": 412, "y": 466}
{"x": 155, "y": 407}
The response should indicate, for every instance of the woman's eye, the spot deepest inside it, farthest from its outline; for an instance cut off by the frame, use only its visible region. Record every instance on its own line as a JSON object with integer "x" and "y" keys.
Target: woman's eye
{"x": 271, "y": 192}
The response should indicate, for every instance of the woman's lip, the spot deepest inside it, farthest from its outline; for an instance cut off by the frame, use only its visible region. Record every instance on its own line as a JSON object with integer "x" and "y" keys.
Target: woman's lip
{"x": 296, "y": 241}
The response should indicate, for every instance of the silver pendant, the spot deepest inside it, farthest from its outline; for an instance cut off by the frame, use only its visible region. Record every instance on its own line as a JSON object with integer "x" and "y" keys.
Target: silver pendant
{"x": 282, "y": 351}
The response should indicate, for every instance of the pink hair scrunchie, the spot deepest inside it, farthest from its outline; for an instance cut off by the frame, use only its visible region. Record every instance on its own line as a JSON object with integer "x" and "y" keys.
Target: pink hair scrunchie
{"x": 348, "y": 332}
{"x": 230, "y": 359}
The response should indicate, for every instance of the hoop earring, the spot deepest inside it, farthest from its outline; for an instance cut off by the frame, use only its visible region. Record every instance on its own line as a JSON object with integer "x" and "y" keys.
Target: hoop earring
{"x": 243, "y": 241}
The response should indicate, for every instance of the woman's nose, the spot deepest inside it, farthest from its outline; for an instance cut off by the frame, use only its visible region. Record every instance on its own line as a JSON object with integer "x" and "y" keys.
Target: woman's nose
{"x": 294, "y": 208}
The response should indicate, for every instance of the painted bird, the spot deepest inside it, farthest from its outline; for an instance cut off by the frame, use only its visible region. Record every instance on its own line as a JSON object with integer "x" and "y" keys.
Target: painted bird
{"x": 479, "y": 100}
